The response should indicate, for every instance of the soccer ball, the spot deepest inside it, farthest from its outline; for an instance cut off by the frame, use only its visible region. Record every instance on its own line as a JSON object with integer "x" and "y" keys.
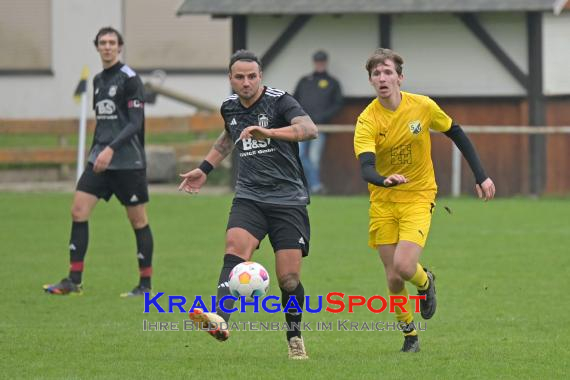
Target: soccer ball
{"x": 249, "y": 279}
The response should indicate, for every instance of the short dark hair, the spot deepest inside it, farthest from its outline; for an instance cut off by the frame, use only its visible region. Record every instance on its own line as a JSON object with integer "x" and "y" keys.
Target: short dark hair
{"x": 380, "y": 56}
{"x": 320, "y": 56}
{"x": 108, "y": 30}
{"x": 244, "y": 55}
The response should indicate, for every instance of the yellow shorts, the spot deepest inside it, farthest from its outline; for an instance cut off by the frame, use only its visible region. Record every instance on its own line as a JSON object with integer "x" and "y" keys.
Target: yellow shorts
{"x": 391, "y": 222}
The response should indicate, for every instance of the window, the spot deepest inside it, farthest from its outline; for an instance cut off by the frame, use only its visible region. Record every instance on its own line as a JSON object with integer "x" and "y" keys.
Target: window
{"x": 25, "y": 37}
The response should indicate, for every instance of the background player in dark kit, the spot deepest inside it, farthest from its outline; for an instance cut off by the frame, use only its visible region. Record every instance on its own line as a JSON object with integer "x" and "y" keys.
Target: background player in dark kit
{"x": 116, "y": 164}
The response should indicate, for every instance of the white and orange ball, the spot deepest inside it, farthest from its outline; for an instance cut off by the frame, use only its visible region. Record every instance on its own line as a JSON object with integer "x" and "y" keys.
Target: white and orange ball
{"x": 249, "y": 279}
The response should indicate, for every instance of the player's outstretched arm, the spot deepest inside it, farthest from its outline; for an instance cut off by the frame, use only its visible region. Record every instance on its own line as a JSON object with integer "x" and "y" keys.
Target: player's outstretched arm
{"x": 484, "y": 185}
{"x": 369, "y": 174}
{"x": 194, "y": 179}
{"x": 302, "y": 128}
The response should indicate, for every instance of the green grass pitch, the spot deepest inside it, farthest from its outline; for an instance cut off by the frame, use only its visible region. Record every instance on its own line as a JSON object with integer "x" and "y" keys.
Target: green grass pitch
{"x": 503, "y": 305}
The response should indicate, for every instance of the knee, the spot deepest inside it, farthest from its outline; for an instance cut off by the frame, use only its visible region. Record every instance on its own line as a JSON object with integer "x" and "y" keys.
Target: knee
{"x": 138, "y": 222}
{"x": 79, "y": 212}
{"x": 405, "y": 269}
{"x": 234, "y": 245}
{"x": 395, "y": 283}
{"x": 289, "y": 281}
{"x": 239, "y": 246}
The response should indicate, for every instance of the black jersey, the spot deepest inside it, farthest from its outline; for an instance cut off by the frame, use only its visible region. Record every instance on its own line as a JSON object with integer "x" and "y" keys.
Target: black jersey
{"x": 115, "y": 90}
{"x": 320, "y": 95}
{"x": 268, "y": 171}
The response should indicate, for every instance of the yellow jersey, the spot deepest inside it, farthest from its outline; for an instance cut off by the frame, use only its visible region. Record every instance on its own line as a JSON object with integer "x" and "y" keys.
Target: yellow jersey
{"x": 401, "y": 141}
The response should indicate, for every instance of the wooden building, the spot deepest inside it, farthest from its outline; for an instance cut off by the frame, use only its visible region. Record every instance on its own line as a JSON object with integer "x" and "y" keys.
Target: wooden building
{"x": 486, "y": 62}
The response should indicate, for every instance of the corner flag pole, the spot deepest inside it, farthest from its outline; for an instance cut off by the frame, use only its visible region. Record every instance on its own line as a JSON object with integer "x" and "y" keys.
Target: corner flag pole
{"x": 81, "y": 91}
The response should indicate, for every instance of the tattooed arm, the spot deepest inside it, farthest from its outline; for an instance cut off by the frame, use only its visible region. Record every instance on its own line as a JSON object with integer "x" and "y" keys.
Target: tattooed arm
{"x": 221, "y": 149}
{"x": 302, "y": 128}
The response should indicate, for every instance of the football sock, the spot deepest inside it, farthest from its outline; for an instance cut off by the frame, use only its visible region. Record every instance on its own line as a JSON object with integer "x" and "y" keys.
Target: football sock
{"x": 77, "y": 249}
{"x": 409, "y": 329}
{"x": 420, "y": 279}
{"x": 145, "y": 247}
{"x": 404, "y": 319}
{"x": 230, "y": 261}
{"x": 293, "y": 318}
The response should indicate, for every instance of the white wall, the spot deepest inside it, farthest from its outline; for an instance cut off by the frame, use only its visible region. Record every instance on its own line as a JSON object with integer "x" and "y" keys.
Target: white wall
{"x": 75, "y": 23}
{"x": 442, "y": 57}
{"x": 556, "y": 45}
{"x": 348, "y": 40}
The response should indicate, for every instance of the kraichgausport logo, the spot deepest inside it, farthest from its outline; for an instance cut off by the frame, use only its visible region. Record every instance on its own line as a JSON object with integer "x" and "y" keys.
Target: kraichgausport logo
{"x": 335, "y": 303}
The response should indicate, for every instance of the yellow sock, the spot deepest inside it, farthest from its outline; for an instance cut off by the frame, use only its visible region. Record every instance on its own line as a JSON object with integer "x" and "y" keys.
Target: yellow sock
{"x": 420, "y": 279}
{"x": 407, "y": 317}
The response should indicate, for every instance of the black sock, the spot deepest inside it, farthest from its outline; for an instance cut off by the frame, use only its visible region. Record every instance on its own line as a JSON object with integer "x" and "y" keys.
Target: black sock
{"x": 230, "y": 261}
{"x": 145, "y": 246}
{"x": 293, "y": 319}
{"x": 77, "y": 250}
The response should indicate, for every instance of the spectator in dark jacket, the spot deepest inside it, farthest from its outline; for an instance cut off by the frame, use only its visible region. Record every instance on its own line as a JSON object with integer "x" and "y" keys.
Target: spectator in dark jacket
{"x": 320, "y": 96}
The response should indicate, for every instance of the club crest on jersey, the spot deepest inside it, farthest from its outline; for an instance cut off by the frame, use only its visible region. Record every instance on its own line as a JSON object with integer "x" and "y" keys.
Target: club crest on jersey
{"x": 415, "y": 127}
{"x": 112, "y": 90}
{"x": 262, "y": 120}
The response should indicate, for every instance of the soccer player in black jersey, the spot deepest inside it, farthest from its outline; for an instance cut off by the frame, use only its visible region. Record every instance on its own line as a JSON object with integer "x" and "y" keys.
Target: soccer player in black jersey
{"x": 116, "y": 164}
{"x": 264, "y": 125}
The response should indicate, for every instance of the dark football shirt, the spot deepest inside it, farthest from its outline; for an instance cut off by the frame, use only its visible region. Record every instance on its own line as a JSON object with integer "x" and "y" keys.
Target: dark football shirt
{"x": 115, "y": 90}
{"x": 268, "y": 170}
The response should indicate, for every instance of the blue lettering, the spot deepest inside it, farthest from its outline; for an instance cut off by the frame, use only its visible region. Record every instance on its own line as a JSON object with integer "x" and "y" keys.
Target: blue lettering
{"x": 308, "y": 308}
{"x": 198, "y": 303}
{"x": 152, "y": 301}
{"x": 172, "y": 303}
{"x": 274, "y": 307}
{"x": 292, "y": 303}
{"x": 222, "y": 304}
{"x": 244, "y": 302}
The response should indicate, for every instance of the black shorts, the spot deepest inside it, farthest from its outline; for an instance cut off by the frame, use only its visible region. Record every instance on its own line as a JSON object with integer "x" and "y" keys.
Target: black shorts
{"x": 287, "y": 226}
{"x": 129, "y": 186}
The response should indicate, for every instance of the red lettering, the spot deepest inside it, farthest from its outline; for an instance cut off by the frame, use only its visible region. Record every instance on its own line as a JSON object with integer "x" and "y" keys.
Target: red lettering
{"x": 417, "y": 302}
{"x": 371, "y": 299}
{"x": 351, "y": 302}
{"x": 335, "y": 302}
{"x": 398, "y": 301}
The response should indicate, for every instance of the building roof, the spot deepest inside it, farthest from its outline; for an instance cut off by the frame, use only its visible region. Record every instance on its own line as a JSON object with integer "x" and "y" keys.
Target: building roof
{"x": 282, "y": 7}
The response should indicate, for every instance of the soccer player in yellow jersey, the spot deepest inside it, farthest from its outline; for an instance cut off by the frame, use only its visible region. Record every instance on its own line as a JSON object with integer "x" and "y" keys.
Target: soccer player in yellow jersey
{"x": 392, "y": 143}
